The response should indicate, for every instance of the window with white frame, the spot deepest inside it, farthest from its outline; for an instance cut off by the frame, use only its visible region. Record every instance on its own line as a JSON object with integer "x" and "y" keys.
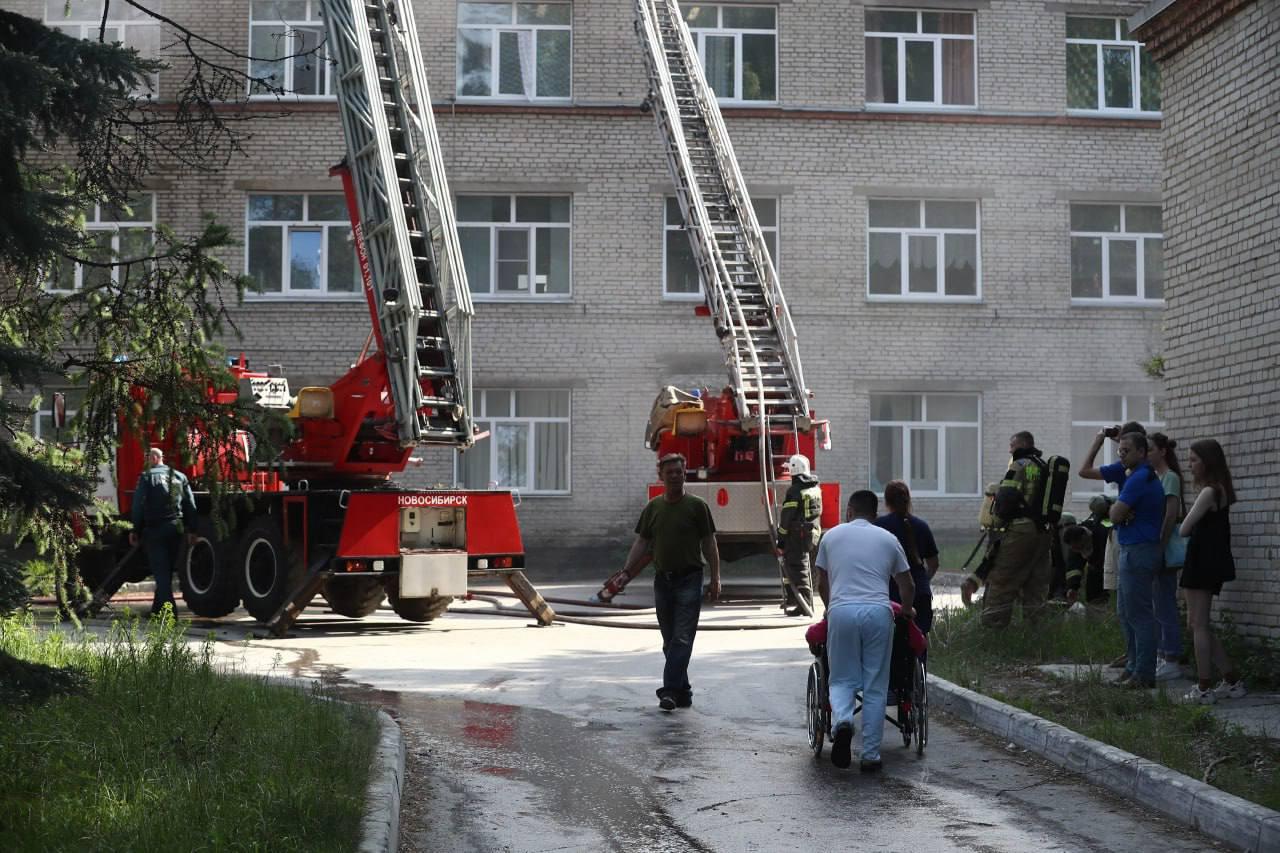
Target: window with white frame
{"x": 42, "y": 420}
{"x": 1117, "y": 253}
{"x": 923, "y": 249}
{"x": 125, "y": 24}
{"x": 299, "y": 245}
{"x": 1092, "y": 412}
{"x": 528, "y": 443}
{"x": 680, "y": 271}
{"x": 515, "y": 50}
{"x": 516, "y": 246}
{"x": 1107, "y": 71}
{"x": 921, "y": 58}
{"x": 739, "y": 49}
{"x": 285, "y": 41}
{"x": 929, "y": 440}
{"x": 119, "y": 241}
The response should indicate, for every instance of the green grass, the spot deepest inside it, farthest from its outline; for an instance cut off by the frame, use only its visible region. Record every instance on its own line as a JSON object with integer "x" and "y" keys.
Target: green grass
{"x": 1187, "y": 738}
{"x": 155, "y": 750}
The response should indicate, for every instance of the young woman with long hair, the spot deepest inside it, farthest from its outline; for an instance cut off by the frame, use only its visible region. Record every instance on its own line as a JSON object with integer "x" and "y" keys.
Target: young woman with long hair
{"x": 917, "y": 541}
{"x": 1208, "y": 566}
{"x": 1164, "y": 461}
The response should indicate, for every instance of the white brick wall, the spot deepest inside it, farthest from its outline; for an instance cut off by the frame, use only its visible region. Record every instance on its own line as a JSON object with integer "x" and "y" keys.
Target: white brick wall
{"x": 1222, "y": 327}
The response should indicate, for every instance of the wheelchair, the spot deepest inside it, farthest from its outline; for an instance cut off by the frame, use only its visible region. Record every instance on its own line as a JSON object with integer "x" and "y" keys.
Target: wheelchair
{"x": 908, "y": 694}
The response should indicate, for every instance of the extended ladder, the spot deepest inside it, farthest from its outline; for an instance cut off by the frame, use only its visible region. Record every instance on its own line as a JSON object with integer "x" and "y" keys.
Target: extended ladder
{"x": 743, "y": 293}
{"x": 419, "y": 286}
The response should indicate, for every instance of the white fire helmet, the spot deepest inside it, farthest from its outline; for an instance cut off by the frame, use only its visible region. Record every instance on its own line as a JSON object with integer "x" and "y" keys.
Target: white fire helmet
{"x": 797, "y": 464}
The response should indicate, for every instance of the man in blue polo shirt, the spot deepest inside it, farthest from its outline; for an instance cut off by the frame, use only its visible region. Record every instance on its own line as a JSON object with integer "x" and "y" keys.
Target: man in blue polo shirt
{"x": 1137, "y": 514}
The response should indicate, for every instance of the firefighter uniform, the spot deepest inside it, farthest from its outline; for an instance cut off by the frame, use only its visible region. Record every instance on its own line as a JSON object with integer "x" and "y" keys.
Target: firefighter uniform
{"x": 799, "y": 529}
{"x": 1021, "y": 566}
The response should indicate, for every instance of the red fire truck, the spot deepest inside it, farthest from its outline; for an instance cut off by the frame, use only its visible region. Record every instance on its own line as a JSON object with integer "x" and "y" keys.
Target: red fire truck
{"x": 325, "y": 516}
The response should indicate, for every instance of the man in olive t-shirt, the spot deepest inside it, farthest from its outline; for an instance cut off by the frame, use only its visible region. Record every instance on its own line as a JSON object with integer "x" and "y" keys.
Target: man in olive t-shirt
{"x": 676, "y": 531}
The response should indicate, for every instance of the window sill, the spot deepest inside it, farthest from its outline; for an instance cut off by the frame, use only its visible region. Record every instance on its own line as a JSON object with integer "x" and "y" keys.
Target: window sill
{"x": 921, "y": 108}
{"x": 684, "y": 298}
{"x": 1087, "y": 302}
{"x": 508, "y": 101}
{"x": 290, "y": 96}
{"x": 725, "y": 102}
{"x": 962, "y": 300}
{"x": 294, "y": 298}
{"x": 558, "y": 299}
{"x": 1116, "y": 114}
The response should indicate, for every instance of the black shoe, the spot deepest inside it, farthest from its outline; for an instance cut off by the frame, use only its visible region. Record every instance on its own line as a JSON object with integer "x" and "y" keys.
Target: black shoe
{"x": 841, "y": 754}
{"x": 870, "y": 766}
{"x": 666, "y": 703}
{"x": 684, "y": 701}
{"x": 795, "y": 611}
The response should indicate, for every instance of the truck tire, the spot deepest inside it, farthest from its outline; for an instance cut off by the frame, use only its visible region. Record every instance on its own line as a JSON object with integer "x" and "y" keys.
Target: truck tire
{"x": 416, "y": 609}
{"x": 354, "y": 597}
{"x": 267, "y": 571}
{"x": 205, "y": 575}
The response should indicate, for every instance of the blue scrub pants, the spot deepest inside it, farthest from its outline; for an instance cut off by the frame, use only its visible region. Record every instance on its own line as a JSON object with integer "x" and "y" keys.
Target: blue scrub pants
{"x": 859, "y": 646}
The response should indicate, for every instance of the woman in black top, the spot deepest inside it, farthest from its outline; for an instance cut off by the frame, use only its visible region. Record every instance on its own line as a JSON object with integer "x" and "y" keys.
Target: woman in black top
{"x": 917, "y": 541}
{"x": 1208, "y": 566}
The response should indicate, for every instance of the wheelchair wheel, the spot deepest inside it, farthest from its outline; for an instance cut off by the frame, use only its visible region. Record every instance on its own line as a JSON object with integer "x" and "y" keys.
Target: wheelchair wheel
{"x": 815, "y": 708}
{"x": 920, "y": 705}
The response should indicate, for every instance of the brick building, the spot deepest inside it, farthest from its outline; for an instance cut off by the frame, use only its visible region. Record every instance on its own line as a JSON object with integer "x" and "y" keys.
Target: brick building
{"x": 963, "y": 197}
{"x": 1221, "y": 142}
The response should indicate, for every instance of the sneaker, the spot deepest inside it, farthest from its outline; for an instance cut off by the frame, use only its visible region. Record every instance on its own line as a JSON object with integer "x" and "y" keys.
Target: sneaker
{"x": 841, "y": 753}
{"x": 1168, "y": 669}
{"x": 870, "y": 765}
{"x": 1119, "y": 662}
{"x": 1230, "y": 691}
{"x": 666, "y": 703}
{"x": 1196, "y": 696}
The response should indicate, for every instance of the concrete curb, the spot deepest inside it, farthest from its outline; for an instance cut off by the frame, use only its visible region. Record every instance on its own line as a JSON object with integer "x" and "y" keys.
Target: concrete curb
{"x": 380, "y": 829}
{"x": 1219, "y": 815}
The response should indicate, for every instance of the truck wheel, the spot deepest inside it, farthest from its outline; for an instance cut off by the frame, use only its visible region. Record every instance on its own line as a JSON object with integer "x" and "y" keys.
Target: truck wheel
{"x": 354, "y": 597}
{"x": 206, "y": 576}
{"x": 416, "y": 609}
{"x": 266, "y": 571}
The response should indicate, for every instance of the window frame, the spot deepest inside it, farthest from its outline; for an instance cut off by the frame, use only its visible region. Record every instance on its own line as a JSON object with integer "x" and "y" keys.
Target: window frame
{"x": 495, "y": 63}
{"x": 86, "y": 29}
{"x": 314, "y": 20}
{"x": 699, "y": 35}
{"x": 701, "y": 294}
{"x": 940, "y": 295}
{"x": 1109, "y": 237}
{"x": 1100, "y": 46}
{"x": 902, "y": 104}
{"x": 484, "y": 422}
{"x": 939, "y": 427}
{"x": 511, "y": 224}
{"x": 288, "y": 227}
{"x": 1153, "y": 422}
{"x": 100, "y": 226}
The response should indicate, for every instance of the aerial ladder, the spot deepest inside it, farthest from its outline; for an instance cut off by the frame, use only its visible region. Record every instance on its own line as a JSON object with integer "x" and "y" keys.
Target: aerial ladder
{"x": 767, "y": 401}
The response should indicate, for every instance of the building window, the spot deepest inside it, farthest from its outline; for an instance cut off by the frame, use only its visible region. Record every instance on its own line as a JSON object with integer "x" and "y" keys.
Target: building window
{"x": 739, "y": 49}
{"x": 515, "y": 50}
{"x": 528, "y": 443}
{"x": 929, "y": 440}
{"x": 125, "y": 24}
{"x": 285, "y": 41}
{"x": 42, "y": 419}
{"x": 921, "y": 59}
{"x": 923, "y": 250}
{"x": 299, "y": 245}
{"x": 1092, "y": 412}
{"x": 516, "y": 246}
{"x": 1107, "y": 71}
{"x": 1117, "y": 253}
{"x": 119, "y": 239}
{"x": 680, "y": 271}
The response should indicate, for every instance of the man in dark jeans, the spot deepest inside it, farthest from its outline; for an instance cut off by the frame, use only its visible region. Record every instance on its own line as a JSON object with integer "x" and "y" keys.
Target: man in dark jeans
{"x": 163, "y": 507}
{"x": 676, "y": 531}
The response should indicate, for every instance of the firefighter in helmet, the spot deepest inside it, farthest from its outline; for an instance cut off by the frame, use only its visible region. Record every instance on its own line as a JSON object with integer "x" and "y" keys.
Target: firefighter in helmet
{"x": 799, "y": 529}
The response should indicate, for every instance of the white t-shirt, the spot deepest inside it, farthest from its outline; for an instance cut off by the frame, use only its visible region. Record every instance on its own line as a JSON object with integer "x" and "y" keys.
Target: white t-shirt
{"x": 860, "y": 560}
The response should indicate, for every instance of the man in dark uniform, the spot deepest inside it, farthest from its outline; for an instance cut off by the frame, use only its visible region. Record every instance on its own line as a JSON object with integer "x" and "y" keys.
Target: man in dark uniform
{"x": 676, "y": 531}
{"x": 799, "y": 529}
{"x": 163, "y": 507}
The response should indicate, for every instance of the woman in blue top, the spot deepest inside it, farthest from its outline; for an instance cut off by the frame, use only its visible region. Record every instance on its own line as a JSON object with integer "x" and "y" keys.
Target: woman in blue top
{"x": 917, "y": 541}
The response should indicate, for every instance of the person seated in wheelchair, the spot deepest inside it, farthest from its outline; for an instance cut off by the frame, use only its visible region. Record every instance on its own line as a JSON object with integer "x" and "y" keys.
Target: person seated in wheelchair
{"x": 856, "y": 561}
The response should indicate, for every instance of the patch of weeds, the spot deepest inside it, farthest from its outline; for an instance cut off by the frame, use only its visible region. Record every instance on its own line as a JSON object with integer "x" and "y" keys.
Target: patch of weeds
{"x": 160, "y": 751}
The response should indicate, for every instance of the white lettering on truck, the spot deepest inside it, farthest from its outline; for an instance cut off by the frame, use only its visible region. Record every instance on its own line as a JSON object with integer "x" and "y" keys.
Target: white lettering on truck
{"x": 432, "y": 500}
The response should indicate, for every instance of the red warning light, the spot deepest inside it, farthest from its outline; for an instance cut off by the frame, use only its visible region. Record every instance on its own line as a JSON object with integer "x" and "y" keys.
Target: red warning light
{"x": 722, "y": 497}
